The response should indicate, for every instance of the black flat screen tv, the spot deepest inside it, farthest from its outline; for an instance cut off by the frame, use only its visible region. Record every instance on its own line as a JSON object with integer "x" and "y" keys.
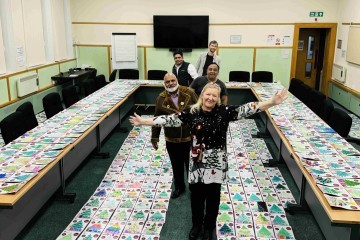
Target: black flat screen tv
{"x": 181, "y": 32}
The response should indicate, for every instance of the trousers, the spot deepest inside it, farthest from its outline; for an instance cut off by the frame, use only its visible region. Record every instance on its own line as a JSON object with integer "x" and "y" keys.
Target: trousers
{"x": 179, "y": 154}
{"x": 205, "y": 199}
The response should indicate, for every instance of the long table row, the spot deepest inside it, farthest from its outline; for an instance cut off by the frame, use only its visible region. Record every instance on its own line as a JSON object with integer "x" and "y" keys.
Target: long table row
{"x": 21, "y": 206}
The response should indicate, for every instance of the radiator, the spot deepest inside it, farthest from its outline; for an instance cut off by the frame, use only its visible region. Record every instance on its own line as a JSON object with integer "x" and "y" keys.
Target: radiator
{"x": 27, "y": 85}
{"x": 339, "y": 73}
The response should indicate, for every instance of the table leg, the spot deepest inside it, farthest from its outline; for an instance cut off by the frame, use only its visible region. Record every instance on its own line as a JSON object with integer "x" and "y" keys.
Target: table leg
{"x": 302, "y": 204}
{"x": 98, "y": 144}
{"x": 63, "y": 194}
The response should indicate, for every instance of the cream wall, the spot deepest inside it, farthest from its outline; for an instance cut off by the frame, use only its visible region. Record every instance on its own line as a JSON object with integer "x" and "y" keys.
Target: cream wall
{"x": 140, "y": 12}
{"x": 350, "y": 12}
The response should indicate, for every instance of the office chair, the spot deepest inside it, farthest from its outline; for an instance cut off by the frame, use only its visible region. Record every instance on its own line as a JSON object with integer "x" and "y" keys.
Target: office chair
{"x": 315, "y": 100}
{"x": 112, "y": 76}
{"x": 12, "y": 126}
{"x": 92, "y": 73}
{"x": 156, "y": 74}
{"x": 304, "y": 91}
{"x": 70, "y": 96}
{"x": 294, "y": 86}
{"x": 52, "y": 104}
{"x": 29, "y": 119}
{"x": 89, "y": 86}
{"x": 239, "y": 76}
{"x": 128, "y": 74}
{"x": 100, "y": 81}
{"x": 262, "y": 76}
{"x": 325, "y": 110}
{"x": 340, "y": 121}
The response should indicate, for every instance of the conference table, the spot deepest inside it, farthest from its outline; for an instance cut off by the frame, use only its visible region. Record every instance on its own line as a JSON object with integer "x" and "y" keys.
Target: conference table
{"x": 17, "y": 209}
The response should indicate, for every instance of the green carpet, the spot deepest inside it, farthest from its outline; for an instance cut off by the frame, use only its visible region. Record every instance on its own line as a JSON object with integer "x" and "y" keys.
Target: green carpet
{"x": 53, "y": 218}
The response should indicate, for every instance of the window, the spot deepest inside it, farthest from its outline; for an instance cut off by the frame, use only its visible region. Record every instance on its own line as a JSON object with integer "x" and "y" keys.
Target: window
{"x": 2, "y": 54}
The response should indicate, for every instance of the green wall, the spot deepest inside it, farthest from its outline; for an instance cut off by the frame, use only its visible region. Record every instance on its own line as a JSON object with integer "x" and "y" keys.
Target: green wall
{"x": 235, "y": 59}
{"x": 276, "y": 60}
{"x": 4, "y": 96}
{"x": 96, "y": 57}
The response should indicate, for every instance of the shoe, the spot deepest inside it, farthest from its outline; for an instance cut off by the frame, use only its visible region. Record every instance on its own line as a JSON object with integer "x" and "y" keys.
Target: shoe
{"x": 176, "y": 193}
{"x": 207, "y": 234}
{"x": 194, "y": 232}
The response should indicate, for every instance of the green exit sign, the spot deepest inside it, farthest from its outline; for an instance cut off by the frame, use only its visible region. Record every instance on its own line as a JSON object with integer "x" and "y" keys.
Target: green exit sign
{"x": 316, "y": 14}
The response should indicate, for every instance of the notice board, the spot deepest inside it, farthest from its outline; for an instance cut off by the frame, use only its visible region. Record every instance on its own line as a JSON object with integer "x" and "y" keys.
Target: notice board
{"x": 124, "y": 51}
{"x": 353, "y": 49}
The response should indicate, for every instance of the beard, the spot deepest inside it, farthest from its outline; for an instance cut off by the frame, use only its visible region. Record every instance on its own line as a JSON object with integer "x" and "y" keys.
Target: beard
{"x": 172, "y": 89}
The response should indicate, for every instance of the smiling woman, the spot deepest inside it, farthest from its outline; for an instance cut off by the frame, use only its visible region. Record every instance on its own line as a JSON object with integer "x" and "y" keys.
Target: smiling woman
{"x": 208, "y": 121}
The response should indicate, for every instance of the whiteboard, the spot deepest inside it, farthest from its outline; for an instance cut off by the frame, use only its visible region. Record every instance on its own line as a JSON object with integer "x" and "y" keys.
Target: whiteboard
{"x": 124, "y": 51}
{"x": 353, "y": 49}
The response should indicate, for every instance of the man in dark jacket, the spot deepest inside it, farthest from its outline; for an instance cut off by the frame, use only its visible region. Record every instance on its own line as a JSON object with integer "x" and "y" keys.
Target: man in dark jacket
{"x": 175, "y": 98}
{"x": 185, "y": 72}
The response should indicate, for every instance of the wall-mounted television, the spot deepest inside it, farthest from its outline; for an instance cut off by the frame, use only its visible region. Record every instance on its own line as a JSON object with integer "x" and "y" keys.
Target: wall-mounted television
{"x": 181, "y": 32}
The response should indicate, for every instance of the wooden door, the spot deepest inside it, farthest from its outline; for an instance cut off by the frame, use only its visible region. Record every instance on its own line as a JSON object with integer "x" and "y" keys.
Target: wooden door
{"x": 308, "y": 56}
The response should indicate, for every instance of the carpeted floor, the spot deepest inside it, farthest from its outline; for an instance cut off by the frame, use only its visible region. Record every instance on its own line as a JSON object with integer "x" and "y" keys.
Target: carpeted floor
{"x": 53, "y": 218}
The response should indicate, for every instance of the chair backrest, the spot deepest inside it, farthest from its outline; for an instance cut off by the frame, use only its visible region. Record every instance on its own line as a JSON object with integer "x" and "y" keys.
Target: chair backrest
{"x": 70, "y": 96}
{"x": 12, "y": 126}
{"x": 340, "y": 121}
{"x": 294, "y": 84}
{"x": 89, "y": 86}
{"x": 112, "y": 76}
{"x": 304, "y": 91}
{"x": 100, "y": 81}
{"x": 326, "y": 109}
{"x": 156, "y": 74}
{"x": 29, "y": 120}
{"x": 262, "y": 76}
{"x": 315, "y": 100}
{"x": 239, "y": 76}
{"x": 129, "y": 74}
{"x": 52, "y": 104}
{"x": 92, "y": 73}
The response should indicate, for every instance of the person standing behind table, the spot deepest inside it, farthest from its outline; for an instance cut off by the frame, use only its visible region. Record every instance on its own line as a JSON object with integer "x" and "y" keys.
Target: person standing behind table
{"x": 184, "y": 71}
{"x": 208, "y": 120}
{"x": 175, "y": 99}
{"x": 206, "y": 58}
{"x": 212, "y": 74}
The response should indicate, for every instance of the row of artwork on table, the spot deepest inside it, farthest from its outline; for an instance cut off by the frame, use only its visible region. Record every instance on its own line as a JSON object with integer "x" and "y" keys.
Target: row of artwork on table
{"x": 330, "y": 159}
{"x": 132, "y": 200}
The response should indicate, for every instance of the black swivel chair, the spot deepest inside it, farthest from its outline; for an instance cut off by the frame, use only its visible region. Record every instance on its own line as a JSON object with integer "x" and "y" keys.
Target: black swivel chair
{"x": 52, "y": 104}
{"x": 156, "y": 74}
{"x": 129, "y": 74}
{"x": 112, "y": 76}
{"x": 70, "y": 96}
{"x": 304, "y": 91}
{"x": 13, "y": 126}
{"x": 294, "y": 86}
{"x": 89, "y": 86}
{"x": 326, "y": 109}
{"x": 315, "y": 100}
{"x": 340, "y": 121}
{"x": 100, "y": 81}
{"x": 29, "y": 120}
{"x": 239, "y": 76}
{"x": 262, "y": 76}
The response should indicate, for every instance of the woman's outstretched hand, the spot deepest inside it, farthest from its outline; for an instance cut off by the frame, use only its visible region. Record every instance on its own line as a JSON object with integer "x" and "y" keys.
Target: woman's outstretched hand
{"x": 135, "y": 120}
{"x": 279, "y": 97}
